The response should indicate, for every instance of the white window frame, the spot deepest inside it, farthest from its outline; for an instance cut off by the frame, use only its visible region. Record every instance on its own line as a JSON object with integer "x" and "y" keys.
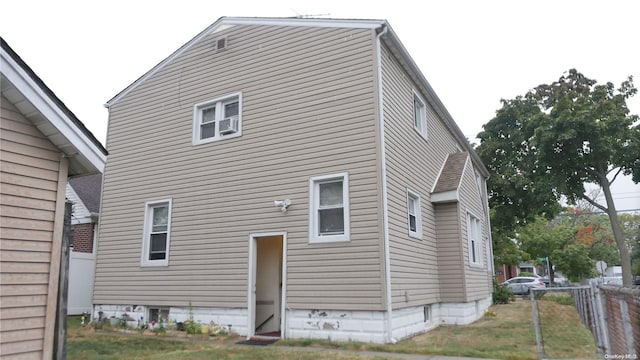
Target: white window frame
{"x": 427, "y": 314}
{"x": 420, "y": 117}
{"x": 416, "y": 212}
{"x": 314, "y": 203}
{"x": 146, "y": 240}
{"x": 474, "y": 239}
{"x": 218, "y": 103}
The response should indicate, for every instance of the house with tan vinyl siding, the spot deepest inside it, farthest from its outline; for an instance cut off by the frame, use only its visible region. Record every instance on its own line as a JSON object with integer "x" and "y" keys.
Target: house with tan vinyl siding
{"x": 294, "y": 178}
{"x": 41, "y": 145}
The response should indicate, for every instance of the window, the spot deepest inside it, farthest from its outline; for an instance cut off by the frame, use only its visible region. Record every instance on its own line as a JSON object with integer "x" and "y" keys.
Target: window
{"x": 157, "y": 224}
{"x": 329, "y": 208}
{"x": 159, "y": 315}
{"x": 217, "y": 119}
{"x": 419, "y": 115}
{"x": 427, "y": 313}
{"x": 474, "y": 235}
{"x": 414, "y": 215}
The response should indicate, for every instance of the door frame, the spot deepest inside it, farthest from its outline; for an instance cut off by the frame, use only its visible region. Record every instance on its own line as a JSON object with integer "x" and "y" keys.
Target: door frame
{"x": 251, "y": 295}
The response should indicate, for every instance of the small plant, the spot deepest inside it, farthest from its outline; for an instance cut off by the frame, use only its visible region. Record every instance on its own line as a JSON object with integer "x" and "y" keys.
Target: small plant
{"x": 526, "y": 273}
{"x": 216, "y": 329}
{"x": 501, "y": 293}
{"x": 122, "y": 321}
{"x": 159, "y": 330}
{"x": 190, "y": 326}
{"x": 490, "y": 313}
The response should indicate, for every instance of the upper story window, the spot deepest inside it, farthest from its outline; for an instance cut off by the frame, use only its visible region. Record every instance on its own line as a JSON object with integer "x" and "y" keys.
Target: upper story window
{"x": 414, "y": 215}
{"x": 419, "y": 115}
{"x": 329, "y": 208}
{"x": 217, "y": 119}
{"x": 157, "y": 224}
{"x": 474, "y": 235}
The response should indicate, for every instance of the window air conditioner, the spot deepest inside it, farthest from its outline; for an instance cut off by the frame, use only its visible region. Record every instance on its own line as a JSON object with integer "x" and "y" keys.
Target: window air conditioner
{"x": 229, "y": 125}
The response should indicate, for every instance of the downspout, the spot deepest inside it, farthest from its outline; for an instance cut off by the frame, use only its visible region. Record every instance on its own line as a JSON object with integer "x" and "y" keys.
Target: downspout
{"x": 488, "y": 215}
{"x": 385, "y": 212}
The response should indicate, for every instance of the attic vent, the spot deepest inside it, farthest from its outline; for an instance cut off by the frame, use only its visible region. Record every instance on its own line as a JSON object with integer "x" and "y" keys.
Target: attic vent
{"x": 221, "y": 43}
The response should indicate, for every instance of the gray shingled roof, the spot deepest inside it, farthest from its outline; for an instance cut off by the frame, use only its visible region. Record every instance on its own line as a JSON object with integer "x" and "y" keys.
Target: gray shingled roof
{"x": 88, "y": 188}
{"x": 451, "y": 172}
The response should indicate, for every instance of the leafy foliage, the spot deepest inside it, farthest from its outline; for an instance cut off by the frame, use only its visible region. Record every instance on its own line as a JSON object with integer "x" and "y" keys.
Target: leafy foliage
{"x": 552, "y": 141}
{"x": 631, "y": 225}
{"x": 501, "y": 293}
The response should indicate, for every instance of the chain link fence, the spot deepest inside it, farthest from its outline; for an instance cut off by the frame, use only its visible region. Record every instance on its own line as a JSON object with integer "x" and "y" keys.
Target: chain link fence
{"x": 595, "y": 321}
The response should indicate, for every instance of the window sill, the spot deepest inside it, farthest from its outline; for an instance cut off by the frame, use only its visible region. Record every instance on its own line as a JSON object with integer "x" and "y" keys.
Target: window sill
{"x": 156, "y": 263}
{"x": 328, "y": 239}
{"x": 216, "y": 139}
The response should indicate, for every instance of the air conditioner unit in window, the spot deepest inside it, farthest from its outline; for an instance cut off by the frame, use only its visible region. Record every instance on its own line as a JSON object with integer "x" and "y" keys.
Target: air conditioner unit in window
{"x": 229, "y": 125}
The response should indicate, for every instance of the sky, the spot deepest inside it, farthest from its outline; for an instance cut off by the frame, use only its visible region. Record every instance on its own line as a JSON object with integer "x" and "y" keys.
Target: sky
{"x": 473, "y": 53}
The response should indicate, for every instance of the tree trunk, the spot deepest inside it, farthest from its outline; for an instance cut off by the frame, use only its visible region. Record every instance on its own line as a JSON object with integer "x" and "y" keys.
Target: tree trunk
{"x": 618, "y": 233}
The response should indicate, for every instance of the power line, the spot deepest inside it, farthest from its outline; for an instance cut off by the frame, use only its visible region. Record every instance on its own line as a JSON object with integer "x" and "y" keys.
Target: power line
{"x": 597, "y": 212}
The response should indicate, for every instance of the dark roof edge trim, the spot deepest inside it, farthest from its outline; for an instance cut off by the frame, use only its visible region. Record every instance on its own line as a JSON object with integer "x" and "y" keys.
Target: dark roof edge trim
{"x": 412, "y": 68}
{"x": 52, "y": 95}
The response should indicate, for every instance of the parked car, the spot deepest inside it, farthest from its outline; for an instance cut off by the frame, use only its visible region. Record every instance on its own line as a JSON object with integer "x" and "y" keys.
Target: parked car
{"x": 557, "y": 282}
{"x": 523, "y": 284}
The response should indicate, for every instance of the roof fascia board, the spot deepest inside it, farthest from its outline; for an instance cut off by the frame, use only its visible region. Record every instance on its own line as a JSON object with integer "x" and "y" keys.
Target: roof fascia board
{"x": 464, "y": 170}
{"x": 446, "y": 196}
{"x": 20, "y": 78}
{"x": 306, "y": 22}
{"x": 435, "y": 183}
{"x": 224, "y": 21}
{"x": 410, "y": 66}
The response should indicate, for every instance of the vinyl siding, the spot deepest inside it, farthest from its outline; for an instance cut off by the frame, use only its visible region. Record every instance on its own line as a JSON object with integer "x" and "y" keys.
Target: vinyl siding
{"x": 477, "y": 278}
{"x": 450, "y": 256}
{"x": 412, "y": 163}
{"x": 29, "y": 189}
{"x": 308, "y": 109}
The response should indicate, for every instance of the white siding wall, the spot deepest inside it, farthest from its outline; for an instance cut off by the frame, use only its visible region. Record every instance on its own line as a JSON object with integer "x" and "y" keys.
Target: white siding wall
{"x": 414, "y": 163}
{"x": 477, "y": 278}
{"x": 308, "y": 109}
{"x": 450, "y": 256}
{"x": 30, "y": 188}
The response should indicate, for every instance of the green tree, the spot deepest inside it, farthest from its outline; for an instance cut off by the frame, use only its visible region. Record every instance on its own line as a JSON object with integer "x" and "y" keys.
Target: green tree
{"x": 552, "y": 141}
{"x": 574, "y": 262}
{"x": 541, "y": 238}
{"x": 631, "y": 225}
{"x": 594, "y": 230}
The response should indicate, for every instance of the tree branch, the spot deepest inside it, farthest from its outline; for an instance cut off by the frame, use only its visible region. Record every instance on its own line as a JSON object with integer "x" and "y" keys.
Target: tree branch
{"x": 592, "y": 202}
{"x": 616, "y": 175}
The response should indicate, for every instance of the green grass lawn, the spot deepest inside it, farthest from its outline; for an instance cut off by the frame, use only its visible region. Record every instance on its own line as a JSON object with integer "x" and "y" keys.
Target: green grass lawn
{"x": 506, "y": 332}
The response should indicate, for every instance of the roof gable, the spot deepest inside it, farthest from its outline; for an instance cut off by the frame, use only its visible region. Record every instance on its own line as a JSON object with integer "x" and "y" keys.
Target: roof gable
{"x": 31, "y": 96}
{"x": 451, "y": 173}
{"x": 388, "y": 36}
{"x": 447, "y": 186}
{"x": 227, "y": 22}
{"x": 88, "y": 190}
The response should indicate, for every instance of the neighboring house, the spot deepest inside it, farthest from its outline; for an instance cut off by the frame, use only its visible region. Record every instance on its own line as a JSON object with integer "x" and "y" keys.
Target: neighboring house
{"x": 613, "y": 271}
{"x": 43, "y": 143}
{"x": 528, "y": 267}
{"x": 380, "y": 226}
{"x": 506, "y": 272}
{"x": 84, "y": 193}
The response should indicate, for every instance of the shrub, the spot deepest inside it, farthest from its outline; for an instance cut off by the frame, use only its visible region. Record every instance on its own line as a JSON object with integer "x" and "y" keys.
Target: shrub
{"x": 526, "y": 273}
{"x": 501, "y": 293}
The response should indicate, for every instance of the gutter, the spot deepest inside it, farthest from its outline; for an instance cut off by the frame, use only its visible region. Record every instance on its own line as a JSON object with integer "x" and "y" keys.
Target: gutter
{"x": 385, "y": 207}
